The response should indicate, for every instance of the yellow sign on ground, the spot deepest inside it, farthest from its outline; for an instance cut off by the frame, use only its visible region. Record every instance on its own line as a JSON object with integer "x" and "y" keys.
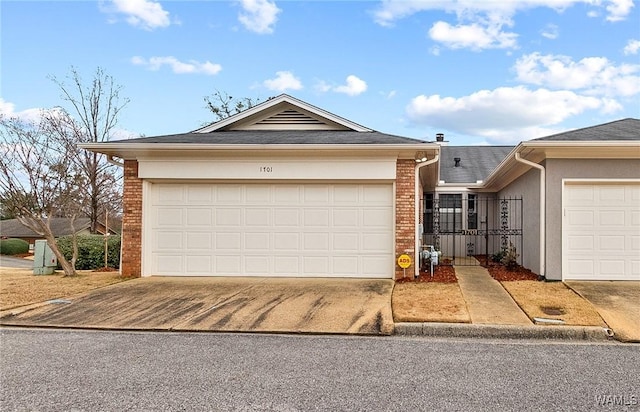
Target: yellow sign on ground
{"x": 404, "y": 261}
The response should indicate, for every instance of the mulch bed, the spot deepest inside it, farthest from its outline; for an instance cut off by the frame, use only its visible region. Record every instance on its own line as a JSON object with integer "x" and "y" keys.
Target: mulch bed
{"x": 441, "y": 274}
{"x": 500, "y": 273}
{"x": 105, "y": 269}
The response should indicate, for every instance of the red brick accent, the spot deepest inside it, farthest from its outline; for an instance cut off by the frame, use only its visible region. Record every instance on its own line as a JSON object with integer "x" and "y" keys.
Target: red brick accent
{"x": 131, "y": 265}
{"x": 405, "y": 213}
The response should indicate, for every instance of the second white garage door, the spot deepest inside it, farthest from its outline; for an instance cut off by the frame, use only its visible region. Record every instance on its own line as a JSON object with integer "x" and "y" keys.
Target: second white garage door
{"x": 309, "y": 230}
{"x": 601, "y": 231}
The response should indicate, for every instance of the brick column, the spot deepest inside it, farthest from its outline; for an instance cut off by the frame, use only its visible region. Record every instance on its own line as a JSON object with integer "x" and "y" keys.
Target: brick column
{"x": 405, "y": 213}
{"x": 131, "y": 221}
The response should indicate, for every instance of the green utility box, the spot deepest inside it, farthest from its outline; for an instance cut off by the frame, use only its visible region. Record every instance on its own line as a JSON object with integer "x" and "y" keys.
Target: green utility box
{"x": 44, "y": 261}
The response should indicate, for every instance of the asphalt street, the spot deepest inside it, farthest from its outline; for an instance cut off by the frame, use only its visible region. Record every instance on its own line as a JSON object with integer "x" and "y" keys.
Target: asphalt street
{"x": 61, "y": 370}
{"x": 14, "y": 262}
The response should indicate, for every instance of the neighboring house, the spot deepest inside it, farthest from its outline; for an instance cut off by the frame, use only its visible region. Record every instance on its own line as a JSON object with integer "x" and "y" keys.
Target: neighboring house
{"x": 288, "y": 189}
{"x": 12, "y": 228}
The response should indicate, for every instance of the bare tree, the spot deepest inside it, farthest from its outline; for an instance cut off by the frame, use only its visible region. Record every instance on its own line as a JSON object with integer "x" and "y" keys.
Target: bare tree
{"x": 38, "y": 177}
{"x": 93, "y": 117}
{"x": 222, "y": 105}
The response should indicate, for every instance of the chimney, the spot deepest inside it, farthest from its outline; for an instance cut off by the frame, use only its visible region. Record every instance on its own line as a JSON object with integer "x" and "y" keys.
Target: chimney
{"x": 457, "y": 160}
{"x": 439, "y": 137}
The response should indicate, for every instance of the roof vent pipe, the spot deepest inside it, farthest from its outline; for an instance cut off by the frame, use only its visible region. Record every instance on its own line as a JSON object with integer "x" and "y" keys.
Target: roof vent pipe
{"x": 457, "y": 160}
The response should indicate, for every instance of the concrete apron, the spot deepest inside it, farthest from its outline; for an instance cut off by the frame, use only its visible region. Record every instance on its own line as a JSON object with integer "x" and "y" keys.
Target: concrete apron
{"x": 487, "y": 301}
{"x": 279, "y": 305}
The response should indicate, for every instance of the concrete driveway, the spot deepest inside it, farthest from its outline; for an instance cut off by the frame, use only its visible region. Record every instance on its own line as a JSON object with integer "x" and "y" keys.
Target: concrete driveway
{"x": 353, "y": 306}
{"x": 618, "y": 302}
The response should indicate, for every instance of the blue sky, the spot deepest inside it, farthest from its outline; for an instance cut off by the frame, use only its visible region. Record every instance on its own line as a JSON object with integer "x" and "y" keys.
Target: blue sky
{"x": 480, "y": 71}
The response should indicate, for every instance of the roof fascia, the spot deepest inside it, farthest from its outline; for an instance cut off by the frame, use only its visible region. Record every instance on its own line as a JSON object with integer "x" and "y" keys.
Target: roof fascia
{"x": 135, "y": 150}
{"x": 283, "y": 98}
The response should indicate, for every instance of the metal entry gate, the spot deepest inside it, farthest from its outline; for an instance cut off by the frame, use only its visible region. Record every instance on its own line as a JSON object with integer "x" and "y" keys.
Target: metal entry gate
{"x": 464, "y": 227}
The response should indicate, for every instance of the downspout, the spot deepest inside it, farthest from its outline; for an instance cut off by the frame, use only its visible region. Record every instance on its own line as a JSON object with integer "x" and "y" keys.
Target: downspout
{"x": 543, "y": 214}
{"x": 111, "y": 160}
{"x": 416, "y": 178}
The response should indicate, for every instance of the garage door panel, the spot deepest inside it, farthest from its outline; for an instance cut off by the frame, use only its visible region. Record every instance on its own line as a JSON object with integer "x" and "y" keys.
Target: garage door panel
{"x": 227, "y": 265}
{"x": 287, "y": 217}
{"x": 272, "y": 230}
{"x": 346, "y": 218}
{"x": 171, "y": 264}
{"x": 169, "y": 194}
{"x": 199, "y": 195}
{"x": 168, "y": 217}
{"x": 228, "y": 241}
{"x": 601, "y": 231}
{"x": 315, "y": 242}
{"x": 199, "y": 241}
{"x": 228, "y": 217}
{"x": 199, "y": 217}
{"x": 257, "y": 241}
{"x": 169, "y": 240}
{"x": 316, "y": 217}
{"x": 257, "y": 217}
{"x": 199, "y": 264}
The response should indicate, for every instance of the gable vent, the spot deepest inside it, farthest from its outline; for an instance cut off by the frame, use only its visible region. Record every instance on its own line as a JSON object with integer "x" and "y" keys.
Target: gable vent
{"x": 290, "y": 117}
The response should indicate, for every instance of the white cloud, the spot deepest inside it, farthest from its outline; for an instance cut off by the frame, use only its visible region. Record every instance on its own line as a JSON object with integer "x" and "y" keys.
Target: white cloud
{"x": 33, "y": 115}
{"x": 475, "y": 36}
{"x": 632, "y": 47}
{"x": 479, "y": 24}
{"x": 591, "y": 75}
{"x": 390, "y": 11}
{"x": 550, "y": 32}
{"x": 259, "y": 15}
{"x": 147, "y": 14}
{"x": 283, "y": 81}
{"x": 506, "y": 114}
{"x": 353, "y": 87}
{"x": 619, "y": 9}
{"x": 190, "y": 67}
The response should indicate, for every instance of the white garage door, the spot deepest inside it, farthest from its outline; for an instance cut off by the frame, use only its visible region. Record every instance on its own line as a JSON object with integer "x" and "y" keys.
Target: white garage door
{"x": 310, "y": 230}
{"x": 601, "y": 232}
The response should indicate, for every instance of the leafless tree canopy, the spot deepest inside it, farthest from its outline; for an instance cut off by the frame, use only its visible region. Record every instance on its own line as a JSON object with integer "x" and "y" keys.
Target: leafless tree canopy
{"x": 39, "y": 178}
{"x": 93, "y": 117}
{"x": 222, "y": 105}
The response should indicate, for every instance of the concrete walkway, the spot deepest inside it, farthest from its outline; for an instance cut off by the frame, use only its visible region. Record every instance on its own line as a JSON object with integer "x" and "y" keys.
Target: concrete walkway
{"x": 487, "y": 301}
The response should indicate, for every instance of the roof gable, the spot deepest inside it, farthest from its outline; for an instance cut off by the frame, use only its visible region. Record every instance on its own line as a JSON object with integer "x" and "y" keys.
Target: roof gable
{"x": 283, "y": 113}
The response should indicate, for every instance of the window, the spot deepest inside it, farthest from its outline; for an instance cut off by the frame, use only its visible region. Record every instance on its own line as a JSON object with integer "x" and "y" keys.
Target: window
{"x": 457, "y": 212}
{"x": 450, "y": 213}
{"x": 472, "y": 212}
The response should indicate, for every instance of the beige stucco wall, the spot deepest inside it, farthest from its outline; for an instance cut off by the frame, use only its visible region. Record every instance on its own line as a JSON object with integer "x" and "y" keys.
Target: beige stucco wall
{"x": 527, "y": 186}
{"x": 558, "y": 169}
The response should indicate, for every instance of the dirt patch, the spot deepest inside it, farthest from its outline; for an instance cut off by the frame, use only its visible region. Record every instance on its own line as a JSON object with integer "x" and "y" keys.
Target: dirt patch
{"x": 20, "y": 287}
{"x": 553, "y": 300}
{"x": 441, "y": 274}
{"x": 428, "y": 302}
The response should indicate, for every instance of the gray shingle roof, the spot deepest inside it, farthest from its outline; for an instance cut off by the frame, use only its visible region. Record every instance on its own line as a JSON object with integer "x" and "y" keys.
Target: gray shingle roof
{"x": 59, "y": 226}
{"x": 476, "y": 162}
{"x": 278, "y": 137}
{"x": 625, "y": 129}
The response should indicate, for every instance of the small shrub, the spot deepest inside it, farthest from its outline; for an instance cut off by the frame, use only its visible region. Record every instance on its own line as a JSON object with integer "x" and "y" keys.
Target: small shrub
{"x": 497, "y": 257}
{"x": 91, "y": 251}
{"x": 13, "y": 246}
{"x": 510, "y": 258}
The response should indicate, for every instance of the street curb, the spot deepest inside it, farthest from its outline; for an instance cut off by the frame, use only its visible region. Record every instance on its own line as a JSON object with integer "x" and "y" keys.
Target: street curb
{"x": 466, "y": 330}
